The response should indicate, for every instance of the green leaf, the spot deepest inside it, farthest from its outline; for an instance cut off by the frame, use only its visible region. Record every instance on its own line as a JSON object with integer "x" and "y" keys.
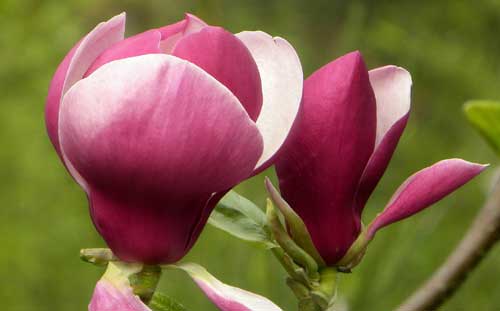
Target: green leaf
{"x": 241, "y": 218}
{"x": 162, "y": 302}
{"x": 485, "y": 117}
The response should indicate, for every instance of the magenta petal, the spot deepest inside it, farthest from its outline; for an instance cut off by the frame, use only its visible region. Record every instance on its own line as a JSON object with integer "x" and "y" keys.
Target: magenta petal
{"x": 330, "y": 144}
{"x": 97, "y": 41}
{"x": 392, "y": 87}
{"x": 165, "y": 138}
{"x": 54, "y": 98}
{"x": 144, "y": 43}
{"x": 72, "y": 69}
{"x": 108, "y": 297}
{"x": 424, "y": 188}
{"x": 225, "y": 57}
{"x": 68, "y": 71}
{"x": 205, "y": 214}
{"x": 282, "y": 79}
{"x": 146, "y": 227}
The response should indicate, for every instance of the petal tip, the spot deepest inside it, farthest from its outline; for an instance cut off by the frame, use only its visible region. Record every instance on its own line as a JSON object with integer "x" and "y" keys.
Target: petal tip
{"x": 269, "y": 186}
{"x": 351, "y": 62}
{"x": 118, "y": 19}
{"x": 355, "y": 56}
{"x": 399, "y": 73}
{"x": 191, "y": 16}
{"x": 478, "y": 166}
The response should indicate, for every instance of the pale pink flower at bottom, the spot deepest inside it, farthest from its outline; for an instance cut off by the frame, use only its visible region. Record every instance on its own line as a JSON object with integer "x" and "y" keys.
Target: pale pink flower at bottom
{"x": 114, "y": 293}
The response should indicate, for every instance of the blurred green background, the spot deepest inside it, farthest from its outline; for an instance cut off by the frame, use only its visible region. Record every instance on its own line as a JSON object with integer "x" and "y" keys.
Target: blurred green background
{"x": 451, "y": 48}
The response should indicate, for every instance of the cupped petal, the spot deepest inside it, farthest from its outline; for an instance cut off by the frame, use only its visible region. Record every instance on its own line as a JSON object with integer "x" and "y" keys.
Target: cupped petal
{"x": 54, "y": 98}
{"x": 282, "y": 79}
{"x": 392, "y": 88}
{"x": 94, "y": 44}
{"x": 154, "y": 136}
{"x": 74, "y": 66}
{"x": 205, "y": 214}
{"x": 329, "y": 147}
{"x": 147, "y": 227}
{"x": 144, "y": 43}
{"x": 226, "y": 297}
{"x": 225, "y": 57}
{"x": 423, "y": 189}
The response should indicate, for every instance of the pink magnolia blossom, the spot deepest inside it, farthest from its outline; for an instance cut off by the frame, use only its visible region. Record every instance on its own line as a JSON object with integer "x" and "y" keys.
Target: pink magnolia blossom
{"x": 158, "y": 126}
{"x": 350, "y": 122}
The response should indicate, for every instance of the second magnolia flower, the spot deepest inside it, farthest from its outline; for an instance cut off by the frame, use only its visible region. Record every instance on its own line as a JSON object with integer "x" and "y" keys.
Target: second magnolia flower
{"x": 158, "y": 126}
{"x": 350, "y": 122}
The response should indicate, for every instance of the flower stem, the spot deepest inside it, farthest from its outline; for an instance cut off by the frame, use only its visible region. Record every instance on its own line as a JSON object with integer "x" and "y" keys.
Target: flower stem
{"x": 145, "y": 282}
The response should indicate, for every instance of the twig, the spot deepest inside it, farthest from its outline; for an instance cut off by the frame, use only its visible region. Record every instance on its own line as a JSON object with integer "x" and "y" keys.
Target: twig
{"x": 479, "y": 239}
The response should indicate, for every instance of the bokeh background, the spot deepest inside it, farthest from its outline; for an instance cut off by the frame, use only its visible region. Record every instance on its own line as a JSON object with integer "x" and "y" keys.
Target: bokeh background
{"x": 452, "y": 49}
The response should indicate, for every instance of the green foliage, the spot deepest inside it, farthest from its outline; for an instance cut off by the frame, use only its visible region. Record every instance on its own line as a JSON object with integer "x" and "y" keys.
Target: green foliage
{"x": 162, "y": 302}
{"x": 241, "y": 218}
{"x": 485, "y": 117}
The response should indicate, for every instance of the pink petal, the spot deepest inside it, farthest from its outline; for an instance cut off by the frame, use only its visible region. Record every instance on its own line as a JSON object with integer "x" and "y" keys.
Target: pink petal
{"x": 154, "y": 136}
{"x": 75, "y": 64}
{"x": 97, "y": 41}
{"x": 225, "y": 297}
{"x": 205, "y": 214}
{"x": 281, "y": 75}
{"x": 72, "y": 69}
{"x": 171, "y": 34}
{"x": 54, "y": 98}
{"x": 144, "y": 43}
{"x": 107, "y": 297}
{"x": 424, "y": 188}
{"x": 113, "y": 291}
{"x": 226, "y": 58}
{"x": 328, "y": 149}
{"x": 392, "y": 87}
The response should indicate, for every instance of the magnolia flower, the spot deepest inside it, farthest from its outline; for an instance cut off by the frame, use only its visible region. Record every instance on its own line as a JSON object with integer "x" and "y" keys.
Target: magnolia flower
{"x": 114, "y": 292}
{"x": 348, "y": 127}
{"x": 157, "y": 127}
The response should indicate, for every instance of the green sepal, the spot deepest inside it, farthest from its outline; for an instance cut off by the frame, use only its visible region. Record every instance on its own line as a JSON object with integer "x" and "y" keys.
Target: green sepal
{"x": 300, "y": 256}
{"x": 298, "y": 288}
{"x": 354, "y": 254}
{"x": 143, "y": 279}
{"x": 484, "y": 115}
{"x": 145, "y": 282}
{"x": 241, "y": 218}
{"x": 294, "y": 223}
{"x": 295, "y": 271}
{"x": 97, "y": 256}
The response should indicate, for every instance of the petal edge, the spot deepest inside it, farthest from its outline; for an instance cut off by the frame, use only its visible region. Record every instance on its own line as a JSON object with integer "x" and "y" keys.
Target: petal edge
{"x": 226, "y": 297}
{"x": 425, "y": 188}
{"x": 282, "y": 79}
